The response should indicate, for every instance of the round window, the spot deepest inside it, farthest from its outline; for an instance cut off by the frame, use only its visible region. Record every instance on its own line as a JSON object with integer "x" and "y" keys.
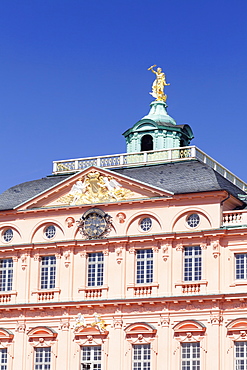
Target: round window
{"x": 146, "y": 224}
{"x": 50, "y": 231}
{"x": 193, "y": 220}
{"x": 8, "y": 235}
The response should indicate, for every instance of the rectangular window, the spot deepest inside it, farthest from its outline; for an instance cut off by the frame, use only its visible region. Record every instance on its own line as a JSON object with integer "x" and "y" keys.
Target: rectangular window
{"x": 95, "y": 269}
{"x": 48, "y": 272}
{"x": 3, "y": 359}
{"x": 192, "y": 263}
{"x": 91, "y": 358}
{"x": 241, "y": 266}
{"x": 141, "y": 357}
{"x": 191, "y": 356}
{"x": 240, "y": 356}
{"x": 144, "y": 266}
{"x": 6, "y": 274}
{"x": 42, "y": 358}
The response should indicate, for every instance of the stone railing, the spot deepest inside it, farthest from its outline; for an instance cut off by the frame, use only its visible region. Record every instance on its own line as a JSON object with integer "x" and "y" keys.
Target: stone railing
{"x": 232, "y": 218}
{"x": 142, "y": 158}
{"x": 143, "y": 290}
{"x": 94, "y": 292}
{"x": 192, "y": 287}
{"x": 47, "y": 294}
{"x": 6, "y": 297}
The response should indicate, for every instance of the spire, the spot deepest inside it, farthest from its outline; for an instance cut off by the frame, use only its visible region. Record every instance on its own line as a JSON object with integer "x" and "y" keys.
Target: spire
{"x": 157, "y": 130}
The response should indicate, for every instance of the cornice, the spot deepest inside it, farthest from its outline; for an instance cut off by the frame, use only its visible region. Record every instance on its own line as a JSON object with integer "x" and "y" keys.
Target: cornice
{"x": 212, "y": 301}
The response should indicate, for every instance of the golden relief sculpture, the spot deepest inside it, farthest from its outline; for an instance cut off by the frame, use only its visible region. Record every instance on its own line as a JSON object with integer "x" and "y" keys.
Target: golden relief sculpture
{"x": 98, "y": 322}
{"x": 158, "y": 84}
{"x": 95, "y": 188}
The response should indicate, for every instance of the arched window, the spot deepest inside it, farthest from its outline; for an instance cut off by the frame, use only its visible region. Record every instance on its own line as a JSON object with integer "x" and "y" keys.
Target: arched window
{"x": 190, "y": 334}
{"x": 147, "y": 143}
{"x": 42, "y": 340}
{"x": 6, "y": 348}
{"x": 91, "y": 338}
{"x": 140, "y": 353}
{"x": 237, "y": 332}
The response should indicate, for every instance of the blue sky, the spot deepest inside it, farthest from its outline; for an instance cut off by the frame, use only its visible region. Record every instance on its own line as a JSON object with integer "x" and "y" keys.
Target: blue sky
{"x": 74, "y": 77}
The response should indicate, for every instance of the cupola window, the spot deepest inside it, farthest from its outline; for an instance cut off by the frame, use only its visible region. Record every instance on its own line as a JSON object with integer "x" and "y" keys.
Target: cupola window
{"x": 147, "y": 143}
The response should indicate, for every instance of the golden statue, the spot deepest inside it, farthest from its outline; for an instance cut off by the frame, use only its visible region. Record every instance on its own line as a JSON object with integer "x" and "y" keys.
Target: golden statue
{"x": 158, "y": 84}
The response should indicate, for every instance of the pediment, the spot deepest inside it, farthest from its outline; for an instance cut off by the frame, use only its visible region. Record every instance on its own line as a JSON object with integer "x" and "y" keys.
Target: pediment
{"x": 94, "y": 186}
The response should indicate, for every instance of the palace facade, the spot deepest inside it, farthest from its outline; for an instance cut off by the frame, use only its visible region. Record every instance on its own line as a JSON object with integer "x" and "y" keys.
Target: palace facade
{"x": 133, "y": 261}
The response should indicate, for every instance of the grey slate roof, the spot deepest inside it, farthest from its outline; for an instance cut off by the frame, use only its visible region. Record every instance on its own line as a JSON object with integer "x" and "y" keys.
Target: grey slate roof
{"x": 27, "y": 190}
{"x": 181, "y": 177}
{"x": 178, "y": 177}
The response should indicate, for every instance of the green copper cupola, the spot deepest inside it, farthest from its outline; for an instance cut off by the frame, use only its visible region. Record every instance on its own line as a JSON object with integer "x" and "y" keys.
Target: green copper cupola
{"x": 157, "y": 130}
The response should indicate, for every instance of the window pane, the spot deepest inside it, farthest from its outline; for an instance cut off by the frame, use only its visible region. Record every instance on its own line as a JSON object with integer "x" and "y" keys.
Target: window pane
{"x": 240, "y": 355}
{"x": 6, "y": 275}
{"x": 241, "y": 266}
{"x": 141, "y": 357}
{"x": 42, "y": 358}
{"x": 95, "y": 269}
{"x": 48, "y": 272}
{"x": 144, "y": 266}
{"x": 91, "y": 358}
{"x": 192, "y": 263}
{"x": 3, "y": 359}
{"x": 190, "y": 356}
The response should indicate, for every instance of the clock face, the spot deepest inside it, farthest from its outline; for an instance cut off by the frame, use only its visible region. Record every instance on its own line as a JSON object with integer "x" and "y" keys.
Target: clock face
{"x": 94, "y": 225}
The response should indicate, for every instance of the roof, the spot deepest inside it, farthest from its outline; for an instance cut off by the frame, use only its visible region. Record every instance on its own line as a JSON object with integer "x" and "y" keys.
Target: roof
{"x": 182, "y": 177}
{"x": 18, "y": 194}
{"x": 178, "y": 177}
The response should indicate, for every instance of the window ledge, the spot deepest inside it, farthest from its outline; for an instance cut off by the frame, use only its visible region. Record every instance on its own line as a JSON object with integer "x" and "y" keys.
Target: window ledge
{"x": 201, "y": 282}
{"x": 238, "y": 283}
{"x": 55, "y": 290}
{"x": 88, "y": 288}
{"x": 6, "y": 292}
{"x": 135, "y": 285}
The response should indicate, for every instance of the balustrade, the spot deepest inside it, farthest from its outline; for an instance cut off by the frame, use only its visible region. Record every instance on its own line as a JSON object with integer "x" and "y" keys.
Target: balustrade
{"x": 233, "y": 218}
{"x": 143, "y": 290}
{"x": 152, "y": 156}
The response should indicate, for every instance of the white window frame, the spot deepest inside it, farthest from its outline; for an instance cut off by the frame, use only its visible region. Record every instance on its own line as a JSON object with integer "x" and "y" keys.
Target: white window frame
{"x": 237, "y": 255}
{"x": 42, "y": 365}
{"x": 188, "y": 362}
{"x": 3, "y": 358}
{"x": 140, "y": 359}
{"x": 48, "y": 272}
{"x": 91, "y": 363}
{"x": 190, "y": 262}
{"x": 6, "y": 275}
{"x": 238, "y": 359}
{"x": 95, "y": 269}
{"x": 144, "y": 263}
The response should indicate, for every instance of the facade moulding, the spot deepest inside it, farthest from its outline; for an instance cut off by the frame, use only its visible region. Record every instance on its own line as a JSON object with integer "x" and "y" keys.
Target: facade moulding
{"x": 213, "y": 302}
{"x": 161, "y": 198}
{"x": 183, "y": 237}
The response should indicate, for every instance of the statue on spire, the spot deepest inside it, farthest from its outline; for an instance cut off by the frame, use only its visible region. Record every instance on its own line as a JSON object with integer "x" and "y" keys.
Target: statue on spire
{"x": 158, "y": 84}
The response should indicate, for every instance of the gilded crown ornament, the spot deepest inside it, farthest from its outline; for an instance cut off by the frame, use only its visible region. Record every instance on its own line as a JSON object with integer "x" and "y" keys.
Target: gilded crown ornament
{"x": 158, "y": 84}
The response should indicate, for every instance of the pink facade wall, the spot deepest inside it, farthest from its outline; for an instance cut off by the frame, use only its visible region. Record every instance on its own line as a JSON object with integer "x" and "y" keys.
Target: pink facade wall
{"x": 163, "y": 314}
